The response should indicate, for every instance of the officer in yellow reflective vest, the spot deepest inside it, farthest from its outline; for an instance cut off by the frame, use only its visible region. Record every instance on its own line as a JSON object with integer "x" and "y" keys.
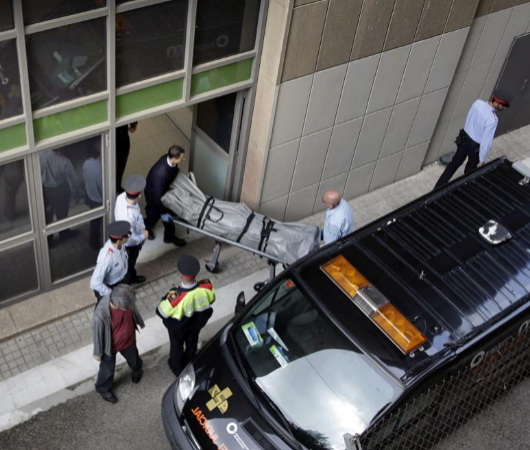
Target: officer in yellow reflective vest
{"x": 185, "y": 310}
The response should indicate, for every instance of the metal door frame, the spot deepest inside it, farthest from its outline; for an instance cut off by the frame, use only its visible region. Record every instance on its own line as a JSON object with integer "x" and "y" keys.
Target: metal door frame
{"x": 43, "y": 230}
{"x": 232, "y": 157}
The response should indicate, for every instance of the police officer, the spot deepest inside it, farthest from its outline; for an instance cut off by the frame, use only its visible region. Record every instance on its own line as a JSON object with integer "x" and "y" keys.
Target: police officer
{"x": 127, "y": 208}
{"x": 475, "y": 139}
{"x": 111, "y": 266}
{"x": 185, "y": 310}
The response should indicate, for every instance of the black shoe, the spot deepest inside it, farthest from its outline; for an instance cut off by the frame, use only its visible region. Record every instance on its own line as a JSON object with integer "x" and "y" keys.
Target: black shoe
{"x": 137, "y": 376}
{"x": 175, "y": 241}
{"x": 139, "y": 279}
{"x": 109, "y": 397}
{"x": 150, "y": 235}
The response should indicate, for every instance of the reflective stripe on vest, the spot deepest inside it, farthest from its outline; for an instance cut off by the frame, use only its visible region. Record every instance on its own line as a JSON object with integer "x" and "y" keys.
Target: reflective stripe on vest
{"x": 199, "y": 299}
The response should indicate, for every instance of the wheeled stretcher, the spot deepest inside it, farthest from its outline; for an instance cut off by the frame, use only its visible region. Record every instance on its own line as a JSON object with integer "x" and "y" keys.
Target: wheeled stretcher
{"x": 235, "y": 224}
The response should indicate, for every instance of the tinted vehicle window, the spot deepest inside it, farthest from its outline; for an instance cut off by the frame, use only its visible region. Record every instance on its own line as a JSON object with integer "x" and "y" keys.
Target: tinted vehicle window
{"x": 323, "y": 384}
{"x": 6, "y": 15}
{"x": 145, "y": 51}
{"x": 10, "y": 98}
{"x": 67, "y": 62}
{"x": 41, "y": 10}
{"x": 224, "y": 28}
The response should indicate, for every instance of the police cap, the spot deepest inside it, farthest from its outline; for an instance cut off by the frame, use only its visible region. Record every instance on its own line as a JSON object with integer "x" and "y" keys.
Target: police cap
{"x": 502, "y": 97}
{"x": 119, "y": 229}
{"x": 134, "y": 184}
{"x": 188, "y": 266}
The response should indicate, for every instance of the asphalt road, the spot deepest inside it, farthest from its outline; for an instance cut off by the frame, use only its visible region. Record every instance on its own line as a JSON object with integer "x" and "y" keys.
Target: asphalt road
{"x": 134, "y": 423}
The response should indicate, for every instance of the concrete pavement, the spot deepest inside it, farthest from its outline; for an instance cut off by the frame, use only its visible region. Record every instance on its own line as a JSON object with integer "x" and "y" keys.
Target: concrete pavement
{"x": 52, "y": 345}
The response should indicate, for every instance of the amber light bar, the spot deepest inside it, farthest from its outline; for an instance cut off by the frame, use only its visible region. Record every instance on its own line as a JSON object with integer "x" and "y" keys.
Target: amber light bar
{"x": 374, "y": 304}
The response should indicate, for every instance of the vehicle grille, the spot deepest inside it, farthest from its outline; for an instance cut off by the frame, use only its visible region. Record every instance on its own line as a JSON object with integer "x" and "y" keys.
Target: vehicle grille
{"x": 430, "y": 417}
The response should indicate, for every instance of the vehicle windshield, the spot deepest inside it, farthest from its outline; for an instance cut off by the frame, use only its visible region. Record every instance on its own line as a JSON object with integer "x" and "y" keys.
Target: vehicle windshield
{"x": 324, "y": 385}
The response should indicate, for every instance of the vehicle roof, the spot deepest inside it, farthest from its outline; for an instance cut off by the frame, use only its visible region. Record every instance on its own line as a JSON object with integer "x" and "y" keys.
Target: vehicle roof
{"x": 429, "y": 259}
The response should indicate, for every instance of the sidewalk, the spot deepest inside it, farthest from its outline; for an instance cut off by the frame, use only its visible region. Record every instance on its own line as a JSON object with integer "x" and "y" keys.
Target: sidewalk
{"x": 73, "y": 333}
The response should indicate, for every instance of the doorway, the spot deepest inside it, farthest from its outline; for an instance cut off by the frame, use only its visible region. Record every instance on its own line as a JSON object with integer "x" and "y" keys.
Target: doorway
{"x": 209, "y": 132}
{"x": 515, "y": 78}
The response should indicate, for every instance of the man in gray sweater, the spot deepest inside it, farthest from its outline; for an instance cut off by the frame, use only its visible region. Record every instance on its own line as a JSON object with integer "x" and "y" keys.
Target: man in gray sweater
{"x": 115, "y": 322}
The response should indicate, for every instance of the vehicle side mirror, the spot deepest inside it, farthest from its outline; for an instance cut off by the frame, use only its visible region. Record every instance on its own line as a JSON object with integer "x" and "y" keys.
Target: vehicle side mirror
{"x": 240, "y": 302}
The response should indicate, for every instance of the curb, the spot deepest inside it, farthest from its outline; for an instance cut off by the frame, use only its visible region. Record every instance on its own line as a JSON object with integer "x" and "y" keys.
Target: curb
{"x": 72, "y": 375}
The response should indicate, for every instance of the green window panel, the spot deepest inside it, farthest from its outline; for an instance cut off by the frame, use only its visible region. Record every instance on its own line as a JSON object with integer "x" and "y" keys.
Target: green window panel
{"x": 221, "y": 77}
{"x": 71, "y": 120}
{"x": 149, "y": 97}
{"x": 13, "y": 137}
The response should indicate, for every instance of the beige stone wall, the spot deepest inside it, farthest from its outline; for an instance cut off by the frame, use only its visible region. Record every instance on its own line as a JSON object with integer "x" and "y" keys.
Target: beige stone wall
{"x": 349, "y": 94}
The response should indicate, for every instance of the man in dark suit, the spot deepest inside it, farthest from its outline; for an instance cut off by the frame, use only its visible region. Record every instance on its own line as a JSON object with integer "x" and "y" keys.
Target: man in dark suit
{"x": 159, "y": 179}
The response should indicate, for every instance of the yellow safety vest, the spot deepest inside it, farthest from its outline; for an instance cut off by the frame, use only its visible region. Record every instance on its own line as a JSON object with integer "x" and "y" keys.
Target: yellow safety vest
{"x": 178, "y": 303}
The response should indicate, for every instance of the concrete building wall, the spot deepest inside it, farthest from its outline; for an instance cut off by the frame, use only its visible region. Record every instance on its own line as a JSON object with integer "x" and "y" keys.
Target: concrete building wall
{"x": 492, "y": 32}
{"x": 359, "y": 91}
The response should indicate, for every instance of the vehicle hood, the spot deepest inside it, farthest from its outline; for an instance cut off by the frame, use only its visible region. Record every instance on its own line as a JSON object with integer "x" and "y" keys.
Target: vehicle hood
{"x": 219, "y": 414}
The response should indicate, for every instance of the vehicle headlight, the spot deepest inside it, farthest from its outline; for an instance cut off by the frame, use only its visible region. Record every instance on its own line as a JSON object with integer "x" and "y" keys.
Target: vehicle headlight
{"x": 185, "y": 385}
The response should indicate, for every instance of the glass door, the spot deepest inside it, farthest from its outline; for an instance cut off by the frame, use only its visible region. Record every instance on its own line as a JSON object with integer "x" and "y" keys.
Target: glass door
{"x": 214, "y": 143}
{"x": 72, "y": 203}
{"x": 19, "y": 235}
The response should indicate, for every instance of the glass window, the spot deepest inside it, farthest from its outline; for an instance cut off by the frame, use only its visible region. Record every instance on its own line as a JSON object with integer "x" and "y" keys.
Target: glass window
{"x": 67, "y": 62}
{"x": 10, "y": 97}
{"x": 215, "y": 118}
{"x": 19, "y": 271}
{"x": 287, "y": 362}
{"x": 224, "y": 28}
{"x": 14, "y": 210}
{"x": 39, "y": 11}
{"x": 146, "y": 51}
{"x": 70, "y": 256}
{"x": 6, "y": 15}
{"x": 71, "y": 179}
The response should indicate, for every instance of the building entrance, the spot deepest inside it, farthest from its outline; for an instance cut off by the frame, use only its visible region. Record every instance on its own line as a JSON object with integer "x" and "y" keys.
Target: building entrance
{"x": 209, "y": 132}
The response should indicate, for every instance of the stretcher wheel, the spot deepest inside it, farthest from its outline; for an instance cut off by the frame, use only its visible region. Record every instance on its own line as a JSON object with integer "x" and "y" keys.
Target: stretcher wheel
{"x": 259, "y": 286}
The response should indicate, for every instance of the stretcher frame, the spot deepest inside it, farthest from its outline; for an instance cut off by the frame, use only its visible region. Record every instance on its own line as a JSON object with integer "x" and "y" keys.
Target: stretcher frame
{"x": 212, "y": 265}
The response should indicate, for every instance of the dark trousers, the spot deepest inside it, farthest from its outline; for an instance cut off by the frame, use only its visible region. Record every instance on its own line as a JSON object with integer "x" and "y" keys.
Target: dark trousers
{"x": 184, "y": 333}
{"x": 107, "y": 367}
{"x": 123, "y": 147}
{"x": 133, "y": 253}
{"x": 152, "y": 216}
{"x": 467, "y": 148}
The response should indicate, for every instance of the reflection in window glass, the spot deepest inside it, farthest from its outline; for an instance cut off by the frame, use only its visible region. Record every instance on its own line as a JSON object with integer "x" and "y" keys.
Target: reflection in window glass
{"x": 224, "y": 28}
{"x": 71, "y": 180}
{"x": 39, "y": 10}
{"x": 14, "y": 209}
{"x": 215, "y": 118}
{"x": 6, "y": 15}
{"x": 68, "y": 257}
{"x": 67, "y": 62}
{"x": 145, "y": 51}
{"x": 10, "y": 97}
{"x": 19, "y": 271}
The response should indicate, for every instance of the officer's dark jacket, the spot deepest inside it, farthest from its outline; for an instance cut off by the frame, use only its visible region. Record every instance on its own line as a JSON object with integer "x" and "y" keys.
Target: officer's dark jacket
{"x": 159, "y": 179}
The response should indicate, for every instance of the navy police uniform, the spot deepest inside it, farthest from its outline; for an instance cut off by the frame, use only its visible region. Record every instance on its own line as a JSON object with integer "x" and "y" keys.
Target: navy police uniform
{"x": 185, "y": 310}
